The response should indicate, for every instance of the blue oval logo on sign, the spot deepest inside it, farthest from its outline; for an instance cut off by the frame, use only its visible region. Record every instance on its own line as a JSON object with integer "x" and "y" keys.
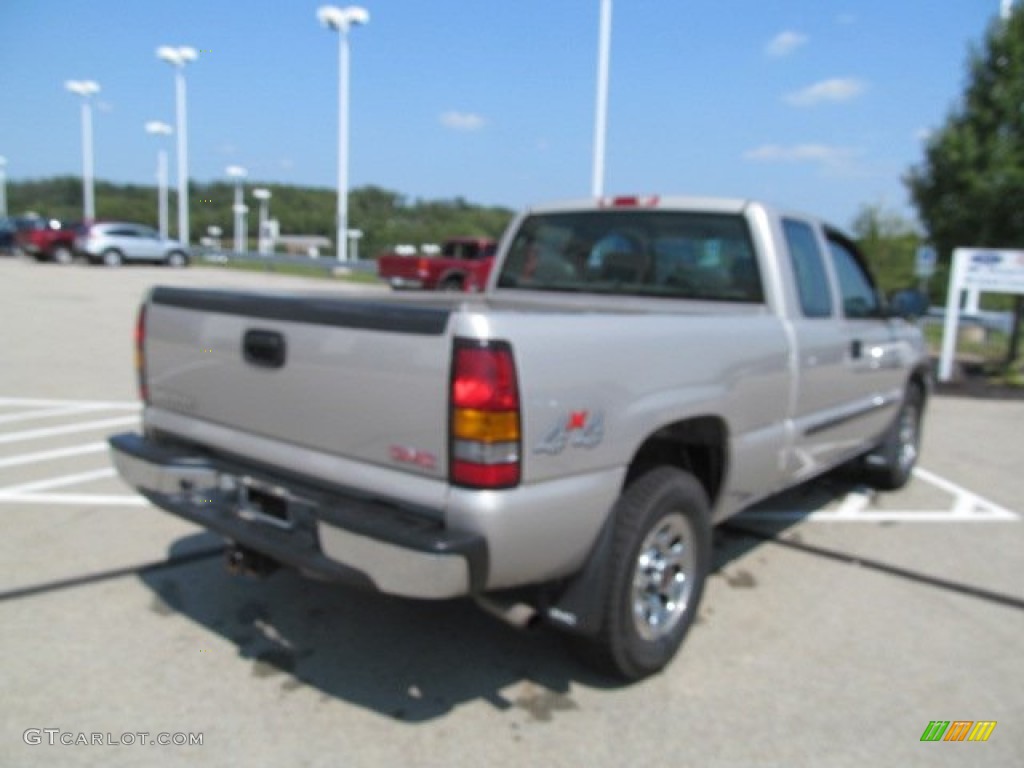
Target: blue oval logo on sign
{"x": 987, "y": 259}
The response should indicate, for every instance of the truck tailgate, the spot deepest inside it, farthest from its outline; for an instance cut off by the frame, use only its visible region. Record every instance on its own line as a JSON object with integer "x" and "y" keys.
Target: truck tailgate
{"x": 361, "y": 379}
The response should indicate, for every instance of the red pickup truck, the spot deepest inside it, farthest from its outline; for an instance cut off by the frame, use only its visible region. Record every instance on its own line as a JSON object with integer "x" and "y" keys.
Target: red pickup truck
{"x": 48, "y": 240}
{"x": 462, "y": 265}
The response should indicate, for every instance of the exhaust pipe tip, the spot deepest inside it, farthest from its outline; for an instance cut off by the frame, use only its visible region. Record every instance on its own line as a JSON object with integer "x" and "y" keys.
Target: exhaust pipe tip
{"x": 517, "y": 614}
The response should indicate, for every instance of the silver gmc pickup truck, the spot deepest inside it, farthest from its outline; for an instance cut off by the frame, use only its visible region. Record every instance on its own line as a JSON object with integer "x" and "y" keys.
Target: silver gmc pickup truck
{"x": 559, "y": 446}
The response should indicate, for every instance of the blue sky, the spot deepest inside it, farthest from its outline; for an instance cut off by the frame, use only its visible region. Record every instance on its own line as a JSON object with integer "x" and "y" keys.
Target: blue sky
{"x": 816, "y": 105}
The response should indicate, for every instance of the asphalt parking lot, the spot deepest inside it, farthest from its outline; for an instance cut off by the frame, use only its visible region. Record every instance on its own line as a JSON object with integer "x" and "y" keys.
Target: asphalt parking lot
{"x": 837, "y": 625}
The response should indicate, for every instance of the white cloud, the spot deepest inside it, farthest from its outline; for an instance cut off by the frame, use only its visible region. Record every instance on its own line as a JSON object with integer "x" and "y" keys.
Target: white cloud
{"x": 827, "y": 157}
{"x": 784, "y": 43}
{"x": 462, "y": 121}
{"x": 835, "y": 90}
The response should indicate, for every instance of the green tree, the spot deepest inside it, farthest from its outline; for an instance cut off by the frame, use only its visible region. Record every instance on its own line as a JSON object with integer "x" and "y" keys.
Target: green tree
{"x": 889, "y": 241}
{"x": 969, "y": 190}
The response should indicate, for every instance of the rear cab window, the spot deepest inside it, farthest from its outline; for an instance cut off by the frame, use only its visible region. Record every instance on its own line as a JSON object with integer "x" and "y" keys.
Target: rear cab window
{"x": 859, "y": 294}
{"x": 813, "y": 287}
{"x": 649, "y": 253}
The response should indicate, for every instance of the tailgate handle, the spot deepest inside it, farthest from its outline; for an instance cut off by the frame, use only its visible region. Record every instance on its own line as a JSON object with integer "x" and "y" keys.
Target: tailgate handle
{"x": 263, "y": 348}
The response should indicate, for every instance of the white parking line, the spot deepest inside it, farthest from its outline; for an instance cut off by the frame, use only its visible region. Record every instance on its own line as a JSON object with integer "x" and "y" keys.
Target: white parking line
{"x": 59, "y": 453}
{"x": 79, "y": 499}
{"x": 31, "y": 401}
{"x": 50, "y": 412}
{"x": 57, "y": 482}
{"x": 35, "y": 434}
{"x": 967, "y": 507}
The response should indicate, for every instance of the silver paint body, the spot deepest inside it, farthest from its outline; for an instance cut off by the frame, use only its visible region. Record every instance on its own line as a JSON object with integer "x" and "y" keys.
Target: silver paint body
{"x": 786, "y": 388}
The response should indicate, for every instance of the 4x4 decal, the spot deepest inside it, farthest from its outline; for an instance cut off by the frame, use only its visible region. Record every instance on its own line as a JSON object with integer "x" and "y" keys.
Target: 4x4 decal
{"x": 583, "y": 429}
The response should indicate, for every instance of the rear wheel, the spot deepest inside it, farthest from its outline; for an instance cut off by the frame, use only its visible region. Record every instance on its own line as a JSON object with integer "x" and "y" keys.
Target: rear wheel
{"x": 63, "y": 255}
{"x": 890, "y": 465}
{"x": 658, "y": 564}
{"x": 452, "y": 284}
{"x": 176, "y": 259}
{"x": 113, "y": 258}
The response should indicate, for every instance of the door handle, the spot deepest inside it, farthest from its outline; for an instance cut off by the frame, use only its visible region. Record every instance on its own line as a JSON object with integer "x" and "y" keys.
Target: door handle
{"x": 265, "y": 349}
{"x": 856, "y": 349}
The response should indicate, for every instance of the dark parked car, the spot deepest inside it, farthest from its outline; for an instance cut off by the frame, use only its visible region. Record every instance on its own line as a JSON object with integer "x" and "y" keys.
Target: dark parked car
{"x": 8, "y": 241}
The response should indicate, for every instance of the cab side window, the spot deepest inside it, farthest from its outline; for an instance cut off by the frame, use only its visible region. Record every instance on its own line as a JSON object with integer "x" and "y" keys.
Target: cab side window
{"x": 860, "y": 299}
{"x": 808, "y": 269}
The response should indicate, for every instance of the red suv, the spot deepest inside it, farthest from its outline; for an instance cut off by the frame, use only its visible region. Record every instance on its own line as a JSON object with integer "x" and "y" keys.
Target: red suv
{"x": 47, "y": 240}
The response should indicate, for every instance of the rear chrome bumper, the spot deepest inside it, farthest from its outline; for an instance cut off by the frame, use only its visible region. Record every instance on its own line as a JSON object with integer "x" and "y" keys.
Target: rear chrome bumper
{"x": 318, "y": 531}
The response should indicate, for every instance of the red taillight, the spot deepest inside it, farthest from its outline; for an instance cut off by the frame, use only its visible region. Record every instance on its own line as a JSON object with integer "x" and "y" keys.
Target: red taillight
{"x": 484, "y": 428}
{"x": 423, "y": 267}
{"x": 140, "y": 353}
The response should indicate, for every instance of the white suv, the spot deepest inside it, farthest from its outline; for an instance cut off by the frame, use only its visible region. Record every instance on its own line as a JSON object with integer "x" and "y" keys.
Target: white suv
{"x": 115, "y": 242}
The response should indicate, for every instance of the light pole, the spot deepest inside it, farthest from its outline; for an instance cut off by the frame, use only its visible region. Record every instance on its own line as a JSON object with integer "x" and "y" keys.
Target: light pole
{"x": 85, "y": 89}
{"x": 178, "y": 57}
{"x": 601, "y": 116}
{"x": 3, "y": 186}
{"x": 238, "y": 173}
{"x": 342, "y": 19}
{"x": 161, "y": 129}
{"x": 263, "y": 195}
{"x": 355, "y": 235}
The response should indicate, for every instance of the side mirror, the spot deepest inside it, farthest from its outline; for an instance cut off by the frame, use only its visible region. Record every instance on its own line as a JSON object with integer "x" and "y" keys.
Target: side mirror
{"x": 910, "y": 303}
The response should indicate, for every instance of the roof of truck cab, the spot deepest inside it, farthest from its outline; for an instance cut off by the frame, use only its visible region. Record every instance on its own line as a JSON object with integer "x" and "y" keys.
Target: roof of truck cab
{"x": 646, "y": 202}
{"x": 730, "y": 205}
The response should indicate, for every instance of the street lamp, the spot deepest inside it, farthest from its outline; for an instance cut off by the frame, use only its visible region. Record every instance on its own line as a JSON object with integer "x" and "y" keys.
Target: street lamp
{"x": 3, "y": 186}
{"x": 85, "y": 89}
{"x": 161, "y": 129}
{"x": 342, "y": 19}
{"x": 263, "y": 195}
{"x": 238, "y": 173}
{"x": 178, "y": 57}
{"x": 601, "y": 116}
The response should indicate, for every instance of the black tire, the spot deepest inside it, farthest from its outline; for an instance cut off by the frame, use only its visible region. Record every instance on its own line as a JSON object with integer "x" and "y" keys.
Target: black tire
{"x": 664, "y": 508}
{"x": 112, "y": 258}
{"x": 176, "y": 259}
{"x": 61, "y": 254}
{"x": 451, "y": 284}
{"x": 891, "y": 464}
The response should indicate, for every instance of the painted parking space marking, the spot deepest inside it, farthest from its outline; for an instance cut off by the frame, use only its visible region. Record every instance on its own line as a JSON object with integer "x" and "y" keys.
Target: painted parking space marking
{"x": 58, "y": 453}
{"x": 36, "y": 434}
{"x": 47, "y": 413}
{"x": 57, "y": 482}
{"x": 855, "y": 507}
{"x": 100, "y": 415}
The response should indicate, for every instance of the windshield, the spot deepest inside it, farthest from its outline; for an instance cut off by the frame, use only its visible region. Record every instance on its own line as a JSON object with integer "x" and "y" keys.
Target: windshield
{"x": 666, "y": 254}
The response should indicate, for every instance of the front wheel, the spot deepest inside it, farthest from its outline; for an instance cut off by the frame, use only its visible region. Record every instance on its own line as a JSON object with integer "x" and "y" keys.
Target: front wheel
{"x": 112, "y": 258}
{"x": 63, "y": 255}
{"x": 890, "y": 465}
{"x": 659, "y": 561}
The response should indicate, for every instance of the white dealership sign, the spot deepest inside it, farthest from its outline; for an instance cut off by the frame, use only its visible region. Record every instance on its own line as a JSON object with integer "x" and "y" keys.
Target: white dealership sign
{"x": 976, "y": 270}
